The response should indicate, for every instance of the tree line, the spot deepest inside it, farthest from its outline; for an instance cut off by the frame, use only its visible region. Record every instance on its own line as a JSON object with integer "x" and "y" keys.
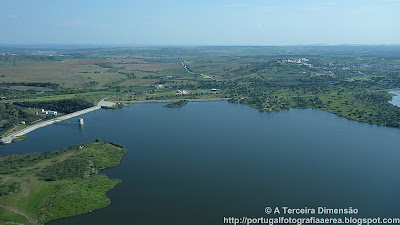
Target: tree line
{"x": 64, "y": 105}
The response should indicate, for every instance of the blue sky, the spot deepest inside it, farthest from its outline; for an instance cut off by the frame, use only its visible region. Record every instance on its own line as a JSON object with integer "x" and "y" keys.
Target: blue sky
{"x": 203, "y": 22}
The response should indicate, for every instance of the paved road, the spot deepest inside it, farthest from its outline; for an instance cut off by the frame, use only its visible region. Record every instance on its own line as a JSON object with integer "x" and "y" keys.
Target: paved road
{"x": 105, "y": 103}
{"x": 24, "y": 131}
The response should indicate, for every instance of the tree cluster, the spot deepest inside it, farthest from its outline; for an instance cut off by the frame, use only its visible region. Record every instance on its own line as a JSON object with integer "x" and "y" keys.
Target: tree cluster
{"x": 64, "y": 105}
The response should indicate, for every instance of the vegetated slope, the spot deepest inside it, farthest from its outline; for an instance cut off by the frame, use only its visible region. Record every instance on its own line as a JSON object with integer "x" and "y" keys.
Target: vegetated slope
{"x": 64, "y": 105}
{"x": 36, "y": 188}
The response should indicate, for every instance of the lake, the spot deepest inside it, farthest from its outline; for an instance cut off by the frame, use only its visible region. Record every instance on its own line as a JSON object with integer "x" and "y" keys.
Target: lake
{"x": 204, "y": 161}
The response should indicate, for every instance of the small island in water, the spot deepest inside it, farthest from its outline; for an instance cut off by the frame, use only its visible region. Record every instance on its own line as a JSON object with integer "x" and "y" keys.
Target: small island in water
{"x": 36, "y": 188}
{"x": 176, "y": 104}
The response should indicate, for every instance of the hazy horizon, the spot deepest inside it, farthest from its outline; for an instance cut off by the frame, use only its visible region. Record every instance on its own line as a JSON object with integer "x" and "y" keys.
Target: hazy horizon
{"x": 27, "y": 45}
{"x": 205, "y": 23}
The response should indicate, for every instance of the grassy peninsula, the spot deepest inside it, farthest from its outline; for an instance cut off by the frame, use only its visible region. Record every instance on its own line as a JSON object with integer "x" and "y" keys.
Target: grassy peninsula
{"x": 36, "y": 188}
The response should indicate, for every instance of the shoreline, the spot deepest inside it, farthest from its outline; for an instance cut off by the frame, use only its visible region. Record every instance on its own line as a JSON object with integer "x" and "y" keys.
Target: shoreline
{"x": 9, "y": 139}
{"x": 177, "y": 100}
{"x": 107, "y": 154}
{"x": 397, "y": 96}
{"x": 15, "y": 135}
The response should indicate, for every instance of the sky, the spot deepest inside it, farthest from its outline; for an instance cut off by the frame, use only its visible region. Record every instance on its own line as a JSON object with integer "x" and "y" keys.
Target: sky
{"x": 201, "y": 22}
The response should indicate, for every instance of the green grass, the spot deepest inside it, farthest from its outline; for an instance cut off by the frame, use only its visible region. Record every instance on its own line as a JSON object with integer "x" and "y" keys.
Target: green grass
{"x": 72, "y": 74}
{"x": 15, "y": 128}
{"x": 71, "y": 197}
{"x": 177, "y": 104}
{"x": 73, "y": 194}
{"x": 9, "y": 216}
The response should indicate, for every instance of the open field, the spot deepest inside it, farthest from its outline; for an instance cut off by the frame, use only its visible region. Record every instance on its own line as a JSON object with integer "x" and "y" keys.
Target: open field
{"x": 337, "y": 79}
{"x": 68, "y": 74}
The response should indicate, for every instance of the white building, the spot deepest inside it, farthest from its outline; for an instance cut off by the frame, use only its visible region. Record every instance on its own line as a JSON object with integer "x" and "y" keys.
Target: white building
{"x": 44, "y": 112}
{"x": 182, "y": 92}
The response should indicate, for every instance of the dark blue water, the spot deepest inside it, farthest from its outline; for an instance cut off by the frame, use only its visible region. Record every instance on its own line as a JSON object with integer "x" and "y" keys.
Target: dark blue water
{"x": 204, "y": 161}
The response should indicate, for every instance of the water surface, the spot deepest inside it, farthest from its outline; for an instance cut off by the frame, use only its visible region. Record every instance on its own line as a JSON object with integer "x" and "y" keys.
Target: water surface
{"x": 396, "y": 99}
{"x": 204, "y": 161}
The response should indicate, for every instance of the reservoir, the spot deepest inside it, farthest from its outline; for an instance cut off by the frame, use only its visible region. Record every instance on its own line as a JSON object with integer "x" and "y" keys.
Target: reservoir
{"x": 206, "y": 161}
